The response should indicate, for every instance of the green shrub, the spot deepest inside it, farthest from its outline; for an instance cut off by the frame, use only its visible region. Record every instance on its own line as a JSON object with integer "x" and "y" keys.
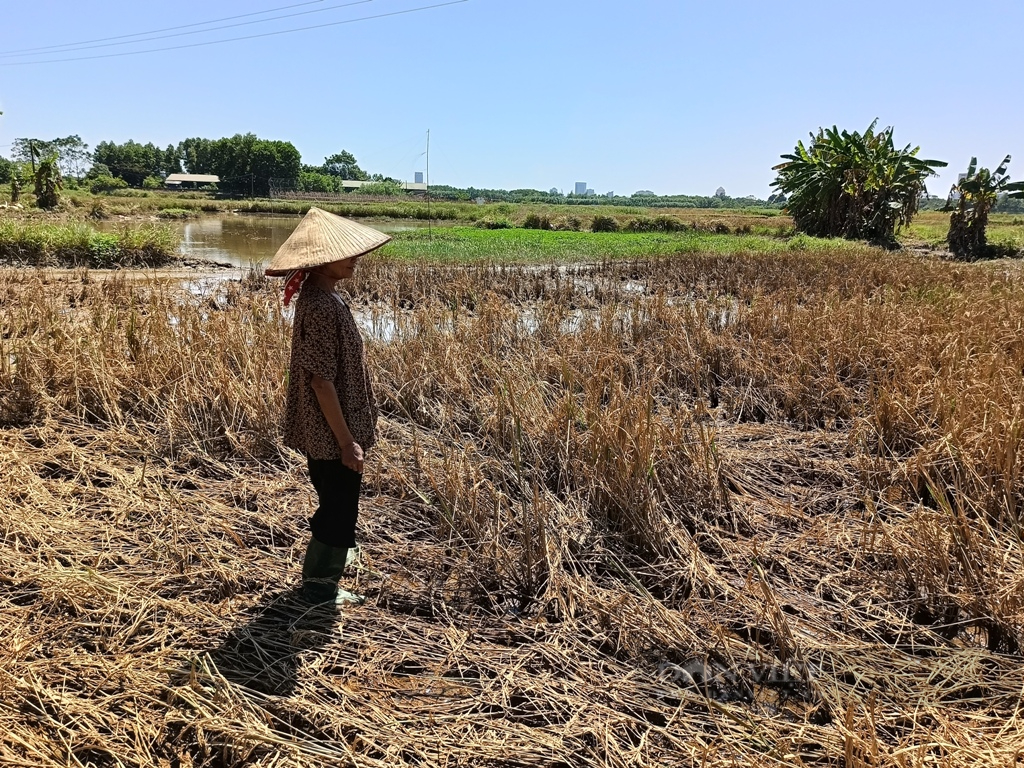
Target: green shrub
{"x": 98, "y": 210}
{"x": 152, "y": 182}
{"x": 641, "y": 224}
{"x": 104, "y": 248}
{"x": 98, "y": 170}
{"x": 604, "y": 224}
{"x": 655, "y": 224}
{"x": 536, "y": 221}
{"x": 77, "y": 245}
{"x": 715, "y": 227}
{"x": 669, "y": 224}
{"x": 101, "y": 184}
{"x": 382, "y": 189}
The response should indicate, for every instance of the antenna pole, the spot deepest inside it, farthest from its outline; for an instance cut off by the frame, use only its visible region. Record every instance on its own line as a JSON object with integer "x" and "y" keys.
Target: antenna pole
{"x": 430, "y": 233}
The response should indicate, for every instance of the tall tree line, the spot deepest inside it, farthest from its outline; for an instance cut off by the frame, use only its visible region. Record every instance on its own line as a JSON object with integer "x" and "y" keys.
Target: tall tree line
{"x": 245, "y": 163}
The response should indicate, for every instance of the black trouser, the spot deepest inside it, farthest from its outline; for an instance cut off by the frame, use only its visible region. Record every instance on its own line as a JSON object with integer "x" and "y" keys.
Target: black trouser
{"x": 337, "y": 490}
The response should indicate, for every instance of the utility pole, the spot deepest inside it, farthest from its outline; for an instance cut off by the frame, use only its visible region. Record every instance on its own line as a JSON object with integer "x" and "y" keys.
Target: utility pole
{"x": 32, "y": 155}
{"x": 430, "y": 233}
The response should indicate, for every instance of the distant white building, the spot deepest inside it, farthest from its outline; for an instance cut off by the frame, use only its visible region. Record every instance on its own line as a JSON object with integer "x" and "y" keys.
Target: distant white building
{"x": 590, "y": 192}
{"x": 581, "y": 187}
{"x": 419, "y": 177}
{"x": 609, "y": 194}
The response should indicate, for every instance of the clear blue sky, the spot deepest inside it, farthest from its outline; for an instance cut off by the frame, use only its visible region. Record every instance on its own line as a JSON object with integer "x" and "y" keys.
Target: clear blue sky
{"x": 676, "y": 97}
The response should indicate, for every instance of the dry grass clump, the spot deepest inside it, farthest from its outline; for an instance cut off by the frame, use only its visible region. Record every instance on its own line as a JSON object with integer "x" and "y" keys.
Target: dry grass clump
{"x": 718, "y": 510}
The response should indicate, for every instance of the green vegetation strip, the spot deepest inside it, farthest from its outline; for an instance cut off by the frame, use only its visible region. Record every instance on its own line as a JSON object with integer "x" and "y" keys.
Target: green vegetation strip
{"x": 1005, "y": 230}
{"x": 469, "y": 244}
{"x": 80, "y": 245}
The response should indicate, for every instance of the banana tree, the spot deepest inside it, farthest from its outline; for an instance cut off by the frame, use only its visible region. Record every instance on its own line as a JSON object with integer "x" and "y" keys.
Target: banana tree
{"x": 48, "y": 183}
{"x": 969, "y": 204}
{"x": 853, "y": 185}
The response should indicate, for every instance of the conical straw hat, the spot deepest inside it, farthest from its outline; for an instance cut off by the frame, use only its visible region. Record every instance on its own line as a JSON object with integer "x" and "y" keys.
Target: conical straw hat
{"x": 321, "y": 238}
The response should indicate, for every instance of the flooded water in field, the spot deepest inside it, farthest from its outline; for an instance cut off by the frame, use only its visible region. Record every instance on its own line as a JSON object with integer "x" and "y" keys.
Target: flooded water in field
{"x": 586, "y": 297}
{"x": 247, "y": 240}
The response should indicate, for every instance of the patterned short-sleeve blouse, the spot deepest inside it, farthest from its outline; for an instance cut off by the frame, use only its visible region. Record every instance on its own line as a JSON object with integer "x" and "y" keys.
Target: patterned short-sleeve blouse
{"x": 326, "y": 343}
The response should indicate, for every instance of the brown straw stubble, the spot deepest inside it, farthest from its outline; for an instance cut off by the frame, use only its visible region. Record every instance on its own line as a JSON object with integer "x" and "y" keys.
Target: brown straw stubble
{"x": 720, "y": 510}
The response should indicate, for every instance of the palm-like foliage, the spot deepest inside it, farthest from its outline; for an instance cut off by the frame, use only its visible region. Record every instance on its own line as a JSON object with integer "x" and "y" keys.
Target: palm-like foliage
{"x": 970, "y": 201}
{"x": 49, "y": 183}
{"x": 853, "y": 185}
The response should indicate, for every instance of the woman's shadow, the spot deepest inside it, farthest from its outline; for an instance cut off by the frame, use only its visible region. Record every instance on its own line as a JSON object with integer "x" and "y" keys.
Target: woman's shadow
{"x": 263, "y": 654}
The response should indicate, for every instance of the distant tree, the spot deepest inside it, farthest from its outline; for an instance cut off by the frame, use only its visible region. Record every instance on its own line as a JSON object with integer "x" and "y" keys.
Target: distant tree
{"x": 315, "y": 181}
{"x": 29, "y": 150}
{"x": 6, "y": 170}
{"x": 273, "y": 160}
{"x": 720, "y": 192}
{"x": 970, "y": 201}
{"x": 1009, "y": 204}
{"x": 344, "y": 166}
{"x": 196, "y": 154}
{"x": 245, "y": 163}
{"x": 73, "y": 155}
{"x": 383, "y": 188}
{"x": 853, "y": 185}
{"x": 97, "y": 169}
{"x": 172, "y": 160}
{"x": 99, "y": 184}
{"x": 130, "y": 161}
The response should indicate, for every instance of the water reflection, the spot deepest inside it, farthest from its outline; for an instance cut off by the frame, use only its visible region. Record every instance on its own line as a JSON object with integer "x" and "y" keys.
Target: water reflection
{"x": 245, "y": 240}
{"x": 237, "y": 240}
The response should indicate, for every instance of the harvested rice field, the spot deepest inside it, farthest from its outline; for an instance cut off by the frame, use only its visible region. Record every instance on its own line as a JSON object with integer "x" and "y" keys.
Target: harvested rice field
{"x": 718, "y": 509}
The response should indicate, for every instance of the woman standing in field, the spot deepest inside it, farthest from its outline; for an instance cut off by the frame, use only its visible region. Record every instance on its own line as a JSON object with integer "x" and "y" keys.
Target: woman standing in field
{"x": 330, "y": 412}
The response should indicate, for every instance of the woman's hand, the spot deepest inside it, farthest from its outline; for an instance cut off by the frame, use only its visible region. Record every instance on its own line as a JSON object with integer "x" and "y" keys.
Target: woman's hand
{"x": 352, "y": 456}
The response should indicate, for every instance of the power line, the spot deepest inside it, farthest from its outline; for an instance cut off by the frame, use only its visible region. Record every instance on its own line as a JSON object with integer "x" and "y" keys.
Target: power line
{"x": 195, "y": 31}
{"x": 234, "y": 39}
{"x": 156, "y": 31}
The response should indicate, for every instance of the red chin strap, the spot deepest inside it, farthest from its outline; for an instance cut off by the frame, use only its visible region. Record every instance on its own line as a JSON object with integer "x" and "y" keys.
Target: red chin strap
{"x": 292, "y": 282}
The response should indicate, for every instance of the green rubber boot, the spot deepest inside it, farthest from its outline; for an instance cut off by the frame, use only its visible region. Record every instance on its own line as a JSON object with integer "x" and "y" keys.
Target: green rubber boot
{"x": 322, "y": 567}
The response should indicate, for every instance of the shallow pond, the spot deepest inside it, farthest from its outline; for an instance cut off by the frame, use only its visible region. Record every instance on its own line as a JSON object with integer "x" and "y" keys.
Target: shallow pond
{"x": 246, "y": 240}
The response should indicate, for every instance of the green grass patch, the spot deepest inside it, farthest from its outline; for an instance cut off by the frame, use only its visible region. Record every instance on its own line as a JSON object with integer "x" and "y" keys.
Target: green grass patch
{"x": 79, "y": 245}
{"x": 469, "y": 244}
{"x": 177, "y": 213}
{"x": 1005, "y": 230}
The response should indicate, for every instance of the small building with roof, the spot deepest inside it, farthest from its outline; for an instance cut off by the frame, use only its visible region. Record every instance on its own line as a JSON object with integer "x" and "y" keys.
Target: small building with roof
{"x": 180, "y": 180}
